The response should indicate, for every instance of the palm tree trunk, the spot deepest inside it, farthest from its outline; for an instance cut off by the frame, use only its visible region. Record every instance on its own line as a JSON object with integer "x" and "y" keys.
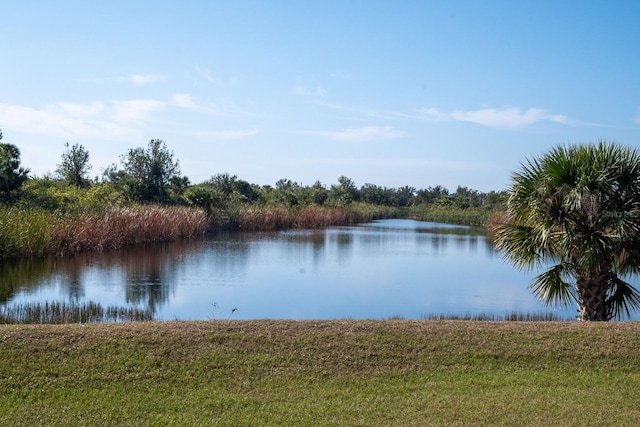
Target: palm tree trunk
{"x": 592, "y": 297}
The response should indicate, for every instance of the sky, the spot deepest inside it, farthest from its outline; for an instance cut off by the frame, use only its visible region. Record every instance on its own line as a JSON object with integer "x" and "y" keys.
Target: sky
{"x": 391, "y": 93}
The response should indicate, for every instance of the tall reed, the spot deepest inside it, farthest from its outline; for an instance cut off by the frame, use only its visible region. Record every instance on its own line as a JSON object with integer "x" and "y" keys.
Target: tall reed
{"x": 266, "y": 218}
{"x": 512, "y": 316}
{"x": 60, "y": 312}
{"x": 316, "y": 217}
{"x": 37, "y": 232}
{"x": 471, "y": 216}
{"x": 495, "y": 220}
{"x": 25, "y": 231}
{"x": 122, "y": 226}
{"x": 263, "y": 218}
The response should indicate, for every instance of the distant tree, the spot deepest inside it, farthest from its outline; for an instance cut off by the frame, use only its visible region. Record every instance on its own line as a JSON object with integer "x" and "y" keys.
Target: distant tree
{"x": 319, "y": 194}
{"x": 152, "y": 169}
{"x": 493, "y": 198}
{"x": 223, "y": 182}
{"x": 371, "y": 193}
{"x": 346, "y": 191}
{"x": 432, "y": 195}
{"x": 203, "y": 196}
{"x": 403, "y": 196}
{"x": 178, "y": 184}
{"x": 246, "y": 190}
{"x": 12, "y": 176}
{"x": 286, "y": 184}
{"x": 75, "y": 166}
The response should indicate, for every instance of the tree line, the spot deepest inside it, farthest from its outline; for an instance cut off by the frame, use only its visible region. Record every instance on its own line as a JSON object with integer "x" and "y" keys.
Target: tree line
{"x": 151, "y": 174}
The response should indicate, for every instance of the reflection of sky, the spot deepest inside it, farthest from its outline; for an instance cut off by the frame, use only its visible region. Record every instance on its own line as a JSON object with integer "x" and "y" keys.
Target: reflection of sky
{"x": 388, "y": 268}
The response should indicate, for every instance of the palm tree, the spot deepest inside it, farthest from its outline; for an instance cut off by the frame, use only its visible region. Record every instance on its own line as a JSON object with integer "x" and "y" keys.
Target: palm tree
{"x": 577, "y": 208}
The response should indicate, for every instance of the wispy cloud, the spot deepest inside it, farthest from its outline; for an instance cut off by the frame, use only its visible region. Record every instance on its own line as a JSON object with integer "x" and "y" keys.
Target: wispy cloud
{"x": 184, "y": 100}
{"x": 372, "y": 112}
{"x": 401, "y": 163}
{"x": 205, "y": 73}
{"x": 142, "y": 79}
{"x": 136, "y": 109}
{"x": 114, "y": 119}
{"x": 223, "y": 135}
{"x": 188, "y": 102}
{"x": 340, "y": 75}
{"x": 64, "y": 120}
{"x": 506, "y": 118}
{"x": 302, "y": 90}
{"x": 78, "y": 110}
{"x": 224, "y": 109}
{"x": 367, "y": 133}
{"x": 94, "y": 120}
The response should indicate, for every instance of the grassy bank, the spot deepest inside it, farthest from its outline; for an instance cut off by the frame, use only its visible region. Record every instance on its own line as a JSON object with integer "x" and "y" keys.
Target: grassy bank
{"x": 321, "y": 373}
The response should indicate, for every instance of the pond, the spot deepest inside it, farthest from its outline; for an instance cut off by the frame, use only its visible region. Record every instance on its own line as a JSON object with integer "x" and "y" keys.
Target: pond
{"x": 384, "y": 269}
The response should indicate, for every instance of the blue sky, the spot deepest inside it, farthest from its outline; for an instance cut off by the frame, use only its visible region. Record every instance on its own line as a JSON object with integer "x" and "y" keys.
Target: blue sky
{"x": 393, "y": 93}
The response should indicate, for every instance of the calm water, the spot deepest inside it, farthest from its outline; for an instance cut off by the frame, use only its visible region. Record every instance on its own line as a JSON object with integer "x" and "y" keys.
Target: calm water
{"x": 374, "y": 271}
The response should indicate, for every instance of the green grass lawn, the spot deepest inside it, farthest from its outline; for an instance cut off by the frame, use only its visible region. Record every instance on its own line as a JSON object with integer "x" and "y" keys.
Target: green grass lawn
{"x": 321, "y": 373}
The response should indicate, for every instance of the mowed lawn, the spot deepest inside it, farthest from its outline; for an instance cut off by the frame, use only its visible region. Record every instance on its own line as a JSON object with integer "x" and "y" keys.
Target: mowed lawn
{"x": 302, "y": 373}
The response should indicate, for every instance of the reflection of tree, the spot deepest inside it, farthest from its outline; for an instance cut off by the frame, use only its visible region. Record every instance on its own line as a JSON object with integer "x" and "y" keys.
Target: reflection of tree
{"x": 149, "y": 272}
{"x": 344, "y": 244}
{"x": 146, "y": 285}
{"x": 26, "y": 273}
{"x": 31, "y": 274}
{"x": 73, "y": 281}
{"x": 300, "y": 242}
{"x": 439, "y": 242}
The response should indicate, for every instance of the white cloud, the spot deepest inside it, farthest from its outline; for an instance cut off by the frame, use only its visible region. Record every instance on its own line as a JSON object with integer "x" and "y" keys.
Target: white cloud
{"x": 136, "y": 109}
{"x": 109, "y": 120}
{"x": 143, "y": 79}
{"x": 367, "y": 133}
{"x": 79, "y": 110}
{"x": 188, "y": 102}
{"x": 506, "y": 118}
{"x": 71, "y": 121}
{"x": 184, "y": 100}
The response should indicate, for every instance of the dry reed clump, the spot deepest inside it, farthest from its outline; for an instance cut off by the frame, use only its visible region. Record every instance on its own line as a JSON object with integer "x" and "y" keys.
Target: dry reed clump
{"x": 495, "y": 220}
{"x": 316, "y": 217}
{"x": 258, "y": 218}
{"x": 271, "y": 218}
{"x": 121, "y": 226}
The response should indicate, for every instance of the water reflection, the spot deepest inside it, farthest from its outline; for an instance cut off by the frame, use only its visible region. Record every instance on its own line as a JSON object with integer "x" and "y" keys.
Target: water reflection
{"x": 146, "y": 274}
{"x": 387, "y": 268}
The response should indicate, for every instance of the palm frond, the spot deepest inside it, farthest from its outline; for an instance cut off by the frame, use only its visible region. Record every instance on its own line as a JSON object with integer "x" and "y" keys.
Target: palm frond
{"x": 524, "y": 245}
{"x": 628, "y": 261}
{"x": 623, "y": 298}
{"x": 552, "y": 288}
